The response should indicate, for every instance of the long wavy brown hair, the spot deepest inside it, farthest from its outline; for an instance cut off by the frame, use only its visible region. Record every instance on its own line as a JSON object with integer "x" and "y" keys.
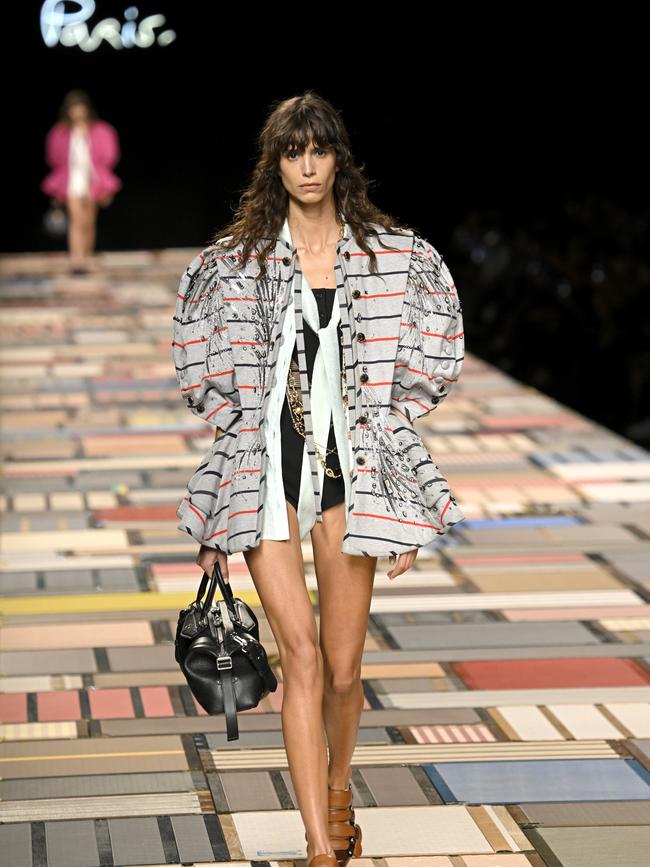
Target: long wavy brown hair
{"x": 264, "y": 203}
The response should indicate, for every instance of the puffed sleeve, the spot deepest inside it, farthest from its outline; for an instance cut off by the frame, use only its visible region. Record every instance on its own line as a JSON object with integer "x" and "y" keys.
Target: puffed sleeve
{"x": 201, "y": 345}
{"x": 52, "y": 147}
{"x": 113, "y": 151}
{"x": 431, "y": 347}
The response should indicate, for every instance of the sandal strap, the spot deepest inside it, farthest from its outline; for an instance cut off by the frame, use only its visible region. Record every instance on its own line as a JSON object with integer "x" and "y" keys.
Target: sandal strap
{"x": 348, "y": 847}
{"x": 340, "y": 829}
{"x": 340, "y": 814}
{"x": 338, "y": 798}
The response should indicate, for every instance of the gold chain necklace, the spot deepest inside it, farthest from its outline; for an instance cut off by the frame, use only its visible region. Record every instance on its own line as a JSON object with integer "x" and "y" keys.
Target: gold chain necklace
{"x": 296, "y": 410}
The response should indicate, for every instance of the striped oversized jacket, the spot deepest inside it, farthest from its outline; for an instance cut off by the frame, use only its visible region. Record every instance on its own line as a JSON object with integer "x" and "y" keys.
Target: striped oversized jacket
{"x": 403, "y": 349}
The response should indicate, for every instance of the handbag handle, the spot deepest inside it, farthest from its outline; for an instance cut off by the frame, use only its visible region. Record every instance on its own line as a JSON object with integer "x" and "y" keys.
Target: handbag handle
{"x": 201, "y": 589}
{"x": 226, "y": 591}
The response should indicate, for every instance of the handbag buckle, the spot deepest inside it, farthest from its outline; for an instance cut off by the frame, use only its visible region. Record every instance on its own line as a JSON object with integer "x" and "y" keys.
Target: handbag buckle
{"x": 227, "y": 662}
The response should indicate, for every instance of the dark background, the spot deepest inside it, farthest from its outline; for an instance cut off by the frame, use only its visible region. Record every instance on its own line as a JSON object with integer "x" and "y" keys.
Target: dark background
{"x": 517, "y": 147}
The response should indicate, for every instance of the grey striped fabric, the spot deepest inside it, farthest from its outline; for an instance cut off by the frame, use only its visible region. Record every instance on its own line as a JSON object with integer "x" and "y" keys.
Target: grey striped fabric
{"x": 403, "y": 348}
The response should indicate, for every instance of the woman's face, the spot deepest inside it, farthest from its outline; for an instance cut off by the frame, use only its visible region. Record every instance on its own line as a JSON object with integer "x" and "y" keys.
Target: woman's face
{"x": 314, "y": 166}
{"x": 78, "y": 112}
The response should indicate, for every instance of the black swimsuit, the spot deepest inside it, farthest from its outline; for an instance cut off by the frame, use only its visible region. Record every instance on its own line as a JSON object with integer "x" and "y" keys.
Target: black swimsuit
{"x": 293, "y": 443}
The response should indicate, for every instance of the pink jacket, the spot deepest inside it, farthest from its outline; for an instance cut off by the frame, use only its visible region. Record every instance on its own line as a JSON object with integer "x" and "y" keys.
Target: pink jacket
{"x": 104, "y": 154}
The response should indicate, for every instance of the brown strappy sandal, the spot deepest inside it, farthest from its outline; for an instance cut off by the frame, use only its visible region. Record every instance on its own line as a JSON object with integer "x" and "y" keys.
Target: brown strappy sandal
{"x": 344, "y": 835}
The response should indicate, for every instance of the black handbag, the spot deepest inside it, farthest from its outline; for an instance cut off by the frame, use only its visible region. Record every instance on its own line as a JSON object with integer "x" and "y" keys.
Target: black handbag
{"x": 55, "y": 220}
{"x": 217, "y": 647}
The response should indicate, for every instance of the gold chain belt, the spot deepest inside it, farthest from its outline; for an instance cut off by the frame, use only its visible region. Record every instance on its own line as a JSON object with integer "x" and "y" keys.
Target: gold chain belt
{"x": 296, "y": 410}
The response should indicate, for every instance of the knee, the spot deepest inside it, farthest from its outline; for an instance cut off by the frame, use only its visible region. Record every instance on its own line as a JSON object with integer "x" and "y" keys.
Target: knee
{"x": 301, "y": 659}
{"x": 342, "y": 680}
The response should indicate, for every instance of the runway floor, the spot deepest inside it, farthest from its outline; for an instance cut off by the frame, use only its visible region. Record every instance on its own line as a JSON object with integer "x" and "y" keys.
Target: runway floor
{"x": 506, "y": 675}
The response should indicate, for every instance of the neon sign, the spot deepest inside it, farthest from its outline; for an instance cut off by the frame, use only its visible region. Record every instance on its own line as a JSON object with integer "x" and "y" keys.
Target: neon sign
{"x": 71, "y": 29}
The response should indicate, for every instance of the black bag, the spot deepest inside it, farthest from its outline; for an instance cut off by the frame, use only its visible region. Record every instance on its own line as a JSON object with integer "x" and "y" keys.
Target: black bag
{"x": 218, "y": 649}
{"x": 55, "y": 220}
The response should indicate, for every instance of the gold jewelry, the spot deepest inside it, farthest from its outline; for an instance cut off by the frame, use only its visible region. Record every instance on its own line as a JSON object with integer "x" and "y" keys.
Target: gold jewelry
{"x": 296, "y": 410}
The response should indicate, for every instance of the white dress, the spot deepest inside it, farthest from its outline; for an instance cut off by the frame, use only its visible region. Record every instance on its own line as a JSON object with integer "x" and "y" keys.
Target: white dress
{"x": 79, "y": 163}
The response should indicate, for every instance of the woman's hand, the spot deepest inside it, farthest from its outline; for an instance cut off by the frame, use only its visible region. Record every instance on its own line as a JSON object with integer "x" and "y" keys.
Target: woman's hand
{"x": 207, "y": 557}
{"x": 405, "y": 560}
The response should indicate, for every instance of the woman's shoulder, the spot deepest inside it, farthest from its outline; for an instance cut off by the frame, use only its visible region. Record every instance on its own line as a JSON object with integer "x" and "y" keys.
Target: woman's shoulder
{"x": 393, "y": 230}
{"x": 102, "y": 129}
{"x": 423, "y": 248}
{"x": 396, "y": 236}
{"x": 58, "y": 128}
{"x": 218, "y": 249}
{"x": 206, "y": 258}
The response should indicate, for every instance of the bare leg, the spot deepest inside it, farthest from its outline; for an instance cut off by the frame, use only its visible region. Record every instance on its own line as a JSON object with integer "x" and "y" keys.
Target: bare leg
{"x": 277, "y": 570}
{"x": 82, "y": 228}
{"x": 90, "y": 226}
{"x": 76, "y": 230}
{"x": 345, "y": 584}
